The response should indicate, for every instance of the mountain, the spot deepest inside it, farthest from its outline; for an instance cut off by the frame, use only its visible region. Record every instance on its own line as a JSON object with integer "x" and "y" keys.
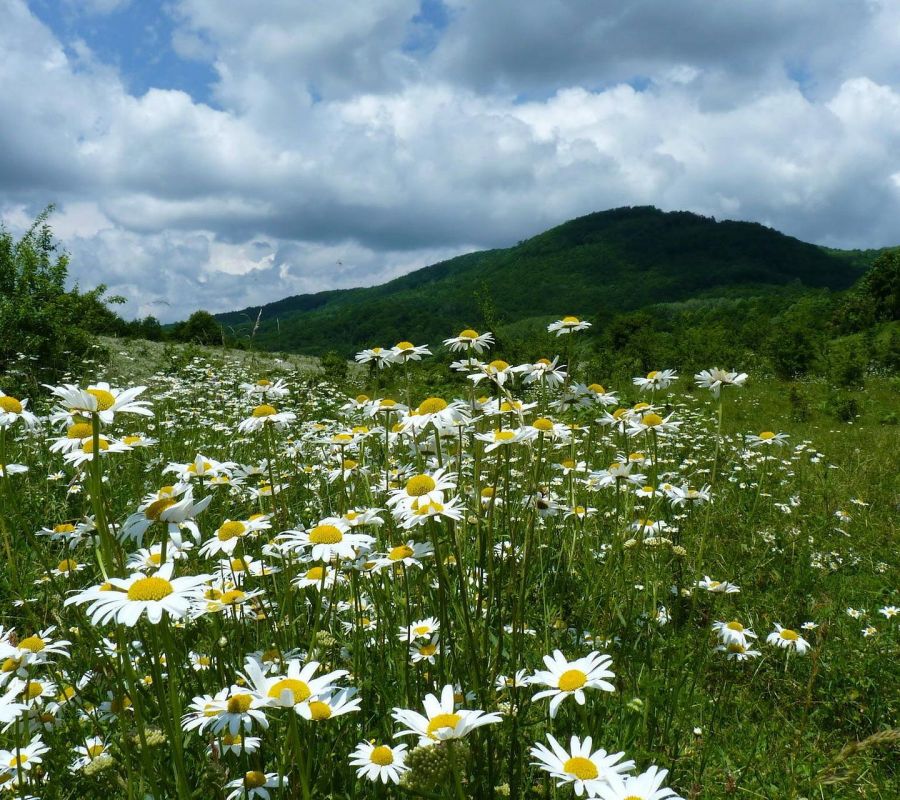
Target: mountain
{"x": 594, "y": 266}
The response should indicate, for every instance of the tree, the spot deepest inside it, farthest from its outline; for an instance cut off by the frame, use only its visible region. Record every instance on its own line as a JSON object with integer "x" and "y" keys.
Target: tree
{"x": 45, "y": 329}
{"x": 201, "y": 327}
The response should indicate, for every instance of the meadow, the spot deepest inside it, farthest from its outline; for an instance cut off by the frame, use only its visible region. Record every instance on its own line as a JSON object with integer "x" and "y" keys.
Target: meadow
{"x": 231, "y": 576}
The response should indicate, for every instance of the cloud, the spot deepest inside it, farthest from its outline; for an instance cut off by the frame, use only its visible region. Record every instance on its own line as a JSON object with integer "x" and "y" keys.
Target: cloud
{"x": 335, "y": 155}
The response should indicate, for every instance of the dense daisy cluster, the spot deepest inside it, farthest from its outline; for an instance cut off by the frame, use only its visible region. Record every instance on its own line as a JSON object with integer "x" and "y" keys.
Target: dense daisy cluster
{"x": 262, "y": 588}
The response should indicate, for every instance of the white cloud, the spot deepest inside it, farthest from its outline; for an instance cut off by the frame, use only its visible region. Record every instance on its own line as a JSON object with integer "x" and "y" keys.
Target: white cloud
{"x": 337, "y": 158}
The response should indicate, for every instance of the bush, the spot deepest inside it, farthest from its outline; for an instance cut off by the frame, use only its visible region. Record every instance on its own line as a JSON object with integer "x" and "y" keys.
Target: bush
{"x": 45, "y": 329}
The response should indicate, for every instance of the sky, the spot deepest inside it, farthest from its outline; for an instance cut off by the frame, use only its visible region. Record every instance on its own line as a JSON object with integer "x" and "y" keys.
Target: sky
{"x": 220, "y": 154}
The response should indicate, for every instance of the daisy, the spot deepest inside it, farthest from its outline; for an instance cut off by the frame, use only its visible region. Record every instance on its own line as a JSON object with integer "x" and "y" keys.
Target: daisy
{"x": 517, "y": 681}
{"x": 101, "y": 399}
{"x": 265, "y": 388}
{"x": 376, "y": 355}
{"x": 571, "y": 678}
{"x": 12, "y": 410}
{"x": 231, "y": 532}
{"x": 788, "y": 639}
{"x": 404, "y": 351}
{"x": 717, "y": 587}
{"x": 266, "y": 414}
{"x": 318, "y": 577}
{"x": 587, "y": 771}
{"x": 441, "y": 720}
{"x": 18, "y": 761}
{"x": 889, "y": 611}
{"x": 646, "y": 786}
{"x": 232, "y": 710}
{"x": 379, "y": 762}
{"x": 733, "y": 631}
{"x": 293, "y": 688}
{"x": 255, "y": 785}
{"x": 499, "y": 371}
{"x": 427, "y": 651}
{"x": 410, "y": 554}
{"x": 545, "y": 372}
{"x": 469, "y": 341}
{"x": 85, "y": 453}
{"x": 502, "y": 438}
{"x": 714, "y": 379}
{"x": 657, "y": 379}
{"x": 331, "y": 704}
{"x": 419, "y": 513}
{"x": 127, "y": 599}
{"x": 651, "y": 421}
{"x": 420, "y": 629}
{"x": 331, "y": 538}
{"x": 568, "y": 325}
{"x": 93, "y": 747}
{"x": 235, "y": 745}
{"x": 422, "y": 488}
{"x": 735, "y": 651}
{"x": 437, "y": 412}
{"x": 38, "y": 648}
{"x": 767, "y": 439}
{"x": 174, "y": 514}
{"x": 554, "y": 431}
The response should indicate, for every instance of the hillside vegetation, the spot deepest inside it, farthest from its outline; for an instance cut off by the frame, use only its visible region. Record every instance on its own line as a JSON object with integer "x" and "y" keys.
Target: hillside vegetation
{"x": 607, "y": 262}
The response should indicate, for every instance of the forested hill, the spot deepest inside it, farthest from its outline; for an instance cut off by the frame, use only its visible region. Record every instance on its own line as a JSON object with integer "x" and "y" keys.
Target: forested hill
{"x": 594, "y": 266}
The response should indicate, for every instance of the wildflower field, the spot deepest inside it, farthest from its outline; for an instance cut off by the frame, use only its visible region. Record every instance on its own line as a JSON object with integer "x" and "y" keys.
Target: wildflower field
{"x": 241, "y": 580}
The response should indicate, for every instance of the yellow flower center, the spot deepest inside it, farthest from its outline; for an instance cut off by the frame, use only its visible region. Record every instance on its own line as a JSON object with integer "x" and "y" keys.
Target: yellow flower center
{"x": 33, "y": 689}
{"x": 238, "y": 564}
{"x": 33, "y": 643}
{"x": 155, "y": 559}
{"x": 432, "y": 405}
{"x": 254, "y": 779}
{"x": 232, "y": 597}
{"x": 570, "y": 320}
{"x": 265, "y": 410}
{"x": 95, "y": 750}
{"x": 382, "y": 755}
{"x": 147, "y": 589}
{"x": 498, "y": 365}
{"x": 263, "y": 382}
{"x": 17, "y": 761}
{"x": 468, "y": 333}
{"x": 105, "y": 399}
{"x": 735, "y": 647}
{"x": 80, "y": 430}
{"x": 504, "y": 435}
{"x": 652, "y": 374}
{"x": 239, "y": 703}
{"x": 10, "y": 405}
{"x": 9, "y": 665}
{"x": 298, "y": 689}
{"x": 64, "y": 527}
{"x": 487, "y": 492}
{"x": 231, "y": 530}
{"x": 88, "y": 446}
{"x": 542, "y": 424}
{"x": 156, "y": 508}
{"x": 428, "y": 650}
{"x": 319, "y": 710}
{"x": 442, "y": 721}
{"x": 571, "y": 680}
{"x": 734, "y": 625}
{"x": 766, "y": 435}
{"x": 419, "y": 485}
{"x": 130, "y": 440}
{"x": 349, "y": 463}
{"x": 315, "y": 573}
{"x": 582, "y": 768}
{"x": 325, "y": 534}
{"x": 405, "y": 345}
{"x": 231, "y": 741}
{"x": 67, "y": 565}
{"x": 597, "y": 388}
{"x": 619, "y": 413}
{"x": 787, "y": 633}
{"x": 401, "y": 552}
{"x": 568, "y": 463}
{"x": 651, "y": 420}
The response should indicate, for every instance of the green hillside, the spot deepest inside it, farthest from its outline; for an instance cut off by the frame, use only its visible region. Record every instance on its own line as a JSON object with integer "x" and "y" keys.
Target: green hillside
{"x": 597, "y": 265}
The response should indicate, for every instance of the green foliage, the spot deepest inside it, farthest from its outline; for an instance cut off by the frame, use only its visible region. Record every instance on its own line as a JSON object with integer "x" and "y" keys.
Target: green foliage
{"x": 599, "y": 265}
{"x": 200, "y": 328}
{"x": 45, "y": 329}
{"x": 875, "y": 298}
{"x": 335, "y": 366}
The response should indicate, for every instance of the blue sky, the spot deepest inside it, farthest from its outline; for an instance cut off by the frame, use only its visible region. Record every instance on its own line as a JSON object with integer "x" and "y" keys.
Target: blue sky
{"x": 220, "y": 153}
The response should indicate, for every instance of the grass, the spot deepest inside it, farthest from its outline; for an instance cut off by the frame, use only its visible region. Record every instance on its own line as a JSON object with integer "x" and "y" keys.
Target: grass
{"x": 807, "y": 531}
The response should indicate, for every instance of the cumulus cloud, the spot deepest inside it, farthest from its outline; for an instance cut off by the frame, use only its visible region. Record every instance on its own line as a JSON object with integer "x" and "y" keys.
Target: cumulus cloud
{"x": 335, "y": 152}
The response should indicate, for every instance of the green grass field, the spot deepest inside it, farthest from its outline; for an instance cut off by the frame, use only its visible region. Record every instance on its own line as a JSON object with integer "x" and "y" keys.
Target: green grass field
{"x": 446, "y": 547}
